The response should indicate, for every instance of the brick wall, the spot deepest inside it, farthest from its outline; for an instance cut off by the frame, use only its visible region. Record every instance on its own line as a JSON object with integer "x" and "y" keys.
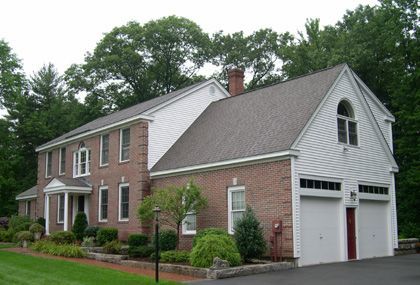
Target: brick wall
{"x": 22, "y": 208}
{"x": 134, "y": 172}
{"x": 267, "y": 191}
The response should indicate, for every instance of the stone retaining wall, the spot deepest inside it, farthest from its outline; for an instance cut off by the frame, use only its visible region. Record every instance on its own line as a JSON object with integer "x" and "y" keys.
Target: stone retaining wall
{"x": 406, "y": 246}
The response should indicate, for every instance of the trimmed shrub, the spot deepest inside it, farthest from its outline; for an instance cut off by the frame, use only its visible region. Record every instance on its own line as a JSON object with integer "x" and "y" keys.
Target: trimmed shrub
{"x": 137, "y": 240}
{"x": 41, "y": 221}
{"x": 180, "y": 256}
{"x": 106, "y": 235}
{"x": 167, "y": 240}
{"x": 63, "y": 237}
{"x": 4, "y": 223}
{"x": 249, "y": 236}
{"x": 140, "y": 251}
{"x": 210, "y": 246}
{"x": 113, "y": 247}
{"x": 91, "y": 231}
{"x": 36, "y": 228}
{"x": 208, "y": 231}
{"x": 6, "y": 236}
{"x": 21, "y": 227}
{"x": 67, "y": 250}
{"x": 24, "y": 235}
{"x": 88, "y": 242}
{"x": 79, "y": 226}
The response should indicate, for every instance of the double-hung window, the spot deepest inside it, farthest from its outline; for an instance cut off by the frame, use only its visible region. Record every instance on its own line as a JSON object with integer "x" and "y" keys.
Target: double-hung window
{"x": 60, "y": 209}
{"x": 124, "y": 145}
{"x": 81, "y": 162}
{"x": 189, "y": 224}
{"x": 124, "y": 199}
{"x": 236, "y": 205}
{"x": 28, "y": 208}
{"x": 104, "y": 154}
{"x": 62, "y": 161}
{"x": 346, "y": 124}
{"x": 103, "y": 203}
{"x": 48, "y": 164}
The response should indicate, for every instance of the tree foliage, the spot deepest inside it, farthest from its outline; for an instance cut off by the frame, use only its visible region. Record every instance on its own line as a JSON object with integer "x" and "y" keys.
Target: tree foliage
{"x": 175, "y": 204}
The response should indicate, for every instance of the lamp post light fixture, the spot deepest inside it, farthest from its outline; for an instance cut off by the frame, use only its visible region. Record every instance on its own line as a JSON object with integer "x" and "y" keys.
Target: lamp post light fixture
{"x": 156, "y": 210}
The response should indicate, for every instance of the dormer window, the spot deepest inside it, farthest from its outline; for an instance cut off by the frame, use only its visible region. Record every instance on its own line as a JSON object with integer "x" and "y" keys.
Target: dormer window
{"x": 81, "y": 161}
{"x": 346, "y": 124}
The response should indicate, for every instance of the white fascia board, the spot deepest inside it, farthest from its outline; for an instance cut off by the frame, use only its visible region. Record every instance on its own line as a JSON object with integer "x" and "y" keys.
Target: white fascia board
{"x": 388, "y": 114}
{"x": 69, "y": 189}
{"x": 227, "y": 163}
{"x": 27, "y": 197}
{"x": 186, "y": 93}
{"x": 96, "y": 131}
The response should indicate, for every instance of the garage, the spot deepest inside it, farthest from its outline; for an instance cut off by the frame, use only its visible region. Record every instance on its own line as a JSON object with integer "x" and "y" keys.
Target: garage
{"x": 373, "y": 229}
{"x": 320, "y": 230}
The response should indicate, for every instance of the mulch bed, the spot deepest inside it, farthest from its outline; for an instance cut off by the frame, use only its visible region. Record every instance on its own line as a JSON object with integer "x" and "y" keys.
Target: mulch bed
{"x": 138, "y": 271}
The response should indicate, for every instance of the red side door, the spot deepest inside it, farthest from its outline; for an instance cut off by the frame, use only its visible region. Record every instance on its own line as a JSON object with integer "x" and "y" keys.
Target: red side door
{"x": 351, "y": 234}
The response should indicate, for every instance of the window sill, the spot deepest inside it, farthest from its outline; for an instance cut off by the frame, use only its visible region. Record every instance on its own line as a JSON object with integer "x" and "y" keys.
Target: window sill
{"x": 123, "y": 221}
{"x": 47, "y": 177}
{"x": 103, "y": 221}
{"x": 103, "y": 166}
{"x": 123, "y": 162}
{"x": 78, "y": 176}
{"x": 61, "y": 174}
{"x": 60, "y": 223}
{"x": 189, "y": 233}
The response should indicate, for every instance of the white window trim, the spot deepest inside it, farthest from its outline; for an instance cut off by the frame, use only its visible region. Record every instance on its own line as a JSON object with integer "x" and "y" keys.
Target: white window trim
{"x": 58, "y": 209}
{"x": 47, "y": 157}
{"x": 100, "y": 204}
{"x": 27, "y": 207}
{"x": 100, "y": 151}
{"x": 119, "y": 201}
{"x": 230, "y": 191}
{"x": 120, "y": 150}
{"x": 347, "y": 120}
{"x": 60, "y": 171}
{"x": 87, "y": 162}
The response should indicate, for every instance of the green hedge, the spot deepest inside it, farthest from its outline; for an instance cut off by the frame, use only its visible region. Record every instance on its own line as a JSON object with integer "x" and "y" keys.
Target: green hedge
{"x": 209, "y": 231}
{"x": 180, "y": 256}
{"x": 106, "y": 235}
{"x": 91, "y": 231}
{"x": 63, "y": 237}
{"x": 167, "y": 240}
{"x": 113, "y": 247}
{"x": 211, "y": 246}
{"x": 65, "y": 250}
{"x": 79, "y": 226}
{"x": 137, "y": 240}
{"x": 140, "y": 251}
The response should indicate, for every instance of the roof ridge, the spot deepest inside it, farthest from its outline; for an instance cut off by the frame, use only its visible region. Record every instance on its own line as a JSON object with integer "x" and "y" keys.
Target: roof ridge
{"x": 287, "y": 80}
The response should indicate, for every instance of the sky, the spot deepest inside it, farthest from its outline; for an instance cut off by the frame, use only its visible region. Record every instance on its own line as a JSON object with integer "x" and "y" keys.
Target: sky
{"x": 62, "y": 31}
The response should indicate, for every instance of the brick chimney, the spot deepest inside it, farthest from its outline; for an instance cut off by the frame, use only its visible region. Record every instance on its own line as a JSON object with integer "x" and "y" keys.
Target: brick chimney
{"x": 236, "y": 81}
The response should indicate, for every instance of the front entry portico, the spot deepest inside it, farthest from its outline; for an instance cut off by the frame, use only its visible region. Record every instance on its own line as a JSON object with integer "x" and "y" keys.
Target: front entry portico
{"x": 76, "y": 191}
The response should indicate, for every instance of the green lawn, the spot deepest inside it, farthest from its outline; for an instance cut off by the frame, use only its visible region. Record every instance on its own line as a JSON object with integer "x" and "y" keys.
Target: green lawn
{"x": 18, "y": 268}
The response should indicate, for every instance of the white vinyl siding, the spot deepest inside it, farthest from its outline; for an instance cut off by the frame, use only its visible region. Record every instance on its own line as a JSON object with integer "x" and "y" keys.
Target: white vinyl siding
{"x": 236, "y": 205}
{"x": 48, "y": 164}
{"x": 104, "y": 150}
{"x": 62, "y": 161}
{"x": 60, "y": 209}
{"x": 171, "y": 121}
{"x": 124, "y": 145}
{"x": 321, "y": 155}
{"x": 103, "y": 204}
{"x": 123, "y": 202}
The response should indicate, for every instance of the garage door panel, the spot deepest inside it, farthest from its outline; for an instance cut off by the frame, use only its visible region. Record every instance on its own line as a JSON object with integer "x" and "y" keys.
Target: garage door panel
{"x": 320, "y": 240}
{"x": 373, "y": 229}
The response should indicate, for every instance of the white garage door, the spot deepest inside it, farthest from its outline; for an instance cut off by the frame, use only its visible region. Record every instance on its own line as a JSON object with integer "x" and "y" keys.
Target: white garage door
{"x": 320, "y": 239}
{"x": 373, "y": 229}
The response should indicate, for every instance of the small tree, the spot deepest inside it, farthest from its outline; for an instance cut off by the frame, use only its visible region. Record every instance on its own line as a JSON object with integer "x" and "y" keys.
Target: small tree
{"x": 249, "y": 236}
{"x": 79, "y": 226}
{"x": 175, "y": 203}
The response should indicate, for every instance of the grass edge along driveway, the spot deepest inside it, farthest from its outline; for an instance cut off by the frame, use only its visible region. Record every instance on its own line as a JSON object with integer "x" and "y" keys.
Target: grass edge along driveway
{"x": 23, "y": 269}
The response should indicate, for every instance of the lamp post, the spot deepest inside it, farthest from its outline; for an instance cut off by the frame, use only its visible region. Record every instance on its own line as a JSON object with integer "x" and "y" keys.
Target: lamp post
{"x": 156, "y": 210}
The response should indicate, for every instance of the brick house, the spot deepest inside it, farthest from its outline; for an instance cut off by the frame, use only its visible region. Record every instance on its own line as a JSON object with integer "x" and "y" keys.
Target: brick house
{"x": 314, "y": 152}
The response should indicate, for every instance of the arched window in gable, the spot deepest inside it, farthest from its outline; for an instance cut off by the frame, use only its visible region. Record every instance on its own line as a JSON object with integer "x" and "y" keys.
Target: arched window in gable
{"x": 346, "y": 124}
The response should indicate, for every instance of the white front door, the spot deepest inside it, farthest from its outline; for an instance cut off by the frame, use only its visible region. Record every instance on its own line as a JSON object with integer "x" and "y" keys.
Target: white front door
{"x": 373, "y": 229}
{"x": 320, "y": 230}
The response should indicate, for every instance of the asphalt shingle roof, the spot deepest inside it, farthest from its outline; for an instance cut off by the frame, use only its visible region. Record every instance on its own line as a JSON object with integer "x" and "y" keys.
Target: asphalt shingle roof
{"x": 121, "y": 115}
{"x": 77, "y": 182}
{"x": 30, "y": 192}
{"x": 257, "y": 122}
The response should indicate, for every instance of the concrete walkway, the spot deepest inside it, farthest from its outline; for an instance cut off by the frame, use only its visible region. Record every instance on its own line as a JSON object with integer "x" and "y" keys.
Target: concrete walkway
{"x": 399, "y": 270}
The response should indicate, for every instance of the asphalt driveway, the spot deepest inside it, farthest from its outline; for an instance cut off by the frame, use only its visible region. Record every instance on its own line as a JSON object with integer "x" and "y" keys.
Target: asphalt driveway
{"x": 399, "y": 270}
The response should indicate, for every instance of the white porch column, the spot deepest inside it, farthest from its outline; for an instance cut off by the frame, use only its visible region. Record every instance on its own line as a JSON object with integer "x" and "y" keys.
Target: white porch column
{"x": 87, "y": 207}
{"x": 66, "y": 211}
{"x": 47, "y": 214}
